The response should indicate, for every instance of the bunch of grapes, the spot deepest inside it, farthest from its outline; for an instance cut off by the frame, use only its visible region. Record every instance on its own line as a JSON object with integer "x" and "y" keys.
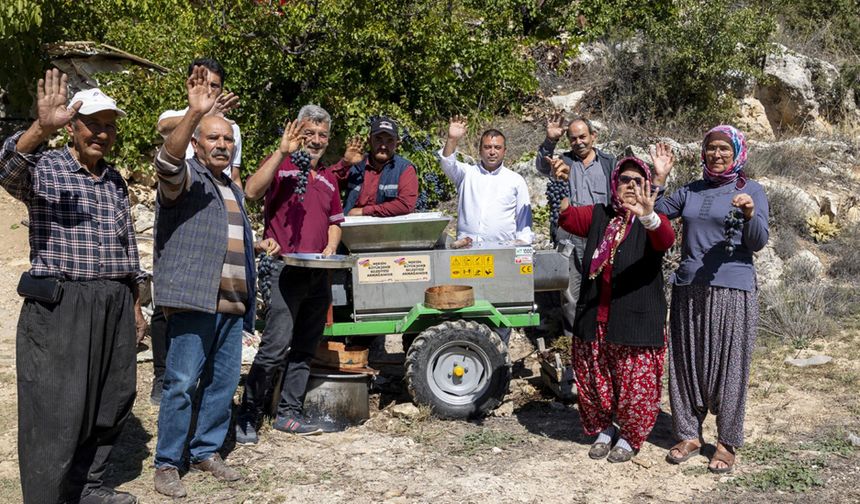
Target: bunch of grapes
{"x": 423, "y": 204}
{"x": 302, "y": 159}
{"x": 265, "y": 267}
{"x": 733, "y": 223}
{"x": 556, "y": 190}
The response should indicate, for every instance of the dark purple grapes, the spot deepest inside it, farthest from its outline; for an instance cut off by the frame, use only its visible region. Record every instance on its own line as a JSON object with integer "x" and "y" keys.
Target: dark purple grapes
{"x": 265, "y": 267}
{"x": 733, "y": 223}
{"x": 556, "y": 190}
{"x": 302, "y": 160}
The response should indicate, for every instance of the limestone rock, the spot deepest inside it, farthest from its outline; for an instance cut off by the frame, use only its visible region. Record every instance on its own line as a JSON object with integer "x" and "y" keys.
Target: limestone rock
{"x": 797, "y": 85}
{"x": 506, "y": 409}
{"x": 144, "y": 218}
{"x": 768, "y": 267}
{"x": 752, "y": 120}
{"x": 852, "y": 216}
{"x": 567, "y": 102}
{"x": 807, "y": 205}
{"x": 405, "y": 410}
{"x": 815, "y": 360}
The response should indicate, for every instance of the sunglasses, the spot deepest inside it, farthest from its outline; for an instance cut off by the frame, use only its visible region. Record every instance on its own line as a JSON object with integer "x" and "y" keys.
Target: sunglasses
{"x": 626, "y": 179}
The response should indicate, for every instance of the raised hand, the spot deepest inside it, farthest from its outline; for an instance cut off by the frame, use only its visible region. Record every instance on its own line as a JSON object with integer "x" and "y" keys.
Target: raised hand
{"x": 292, "y": 140}
{"x": 560, "y": 169}
{"x": 644, "y": 201}
{"x": 354, "y": 150}
{"x": 51, "y": 97}
{"x": 268, "y": 245}
{"x": 663, "y": 159}
{"x": 201, "y": 98}
{"x": 224, "y": 103}
{"x": 457, "y": 127}
{"x": 744, "y": 202}
{"x": 555, "y": 126}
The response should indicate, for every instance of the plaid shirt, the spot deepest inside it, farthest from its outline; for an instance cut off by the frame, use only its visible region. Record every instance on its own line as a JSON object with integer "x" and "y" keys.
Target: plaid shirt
{"x": 80, "y": 226}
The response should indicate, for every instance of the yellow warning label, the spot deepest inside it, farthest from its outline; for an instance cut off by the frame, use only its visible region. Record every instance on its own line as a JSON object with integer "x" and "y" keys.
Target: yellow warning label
{"x": 472, "y": 266}
{"x": 526, "y": 269}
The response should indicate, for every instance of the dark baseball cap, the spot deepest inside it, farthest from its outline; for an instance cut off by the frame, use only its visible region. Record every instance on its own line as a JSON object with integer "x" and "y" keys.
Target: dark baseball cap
{"x": 384, "y": 124}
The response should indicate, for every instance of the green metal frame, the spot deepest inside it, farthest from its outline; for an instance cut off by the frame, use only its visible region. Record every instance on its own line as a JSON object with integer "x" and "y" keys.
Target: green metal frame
{"x": 421, "y": 317}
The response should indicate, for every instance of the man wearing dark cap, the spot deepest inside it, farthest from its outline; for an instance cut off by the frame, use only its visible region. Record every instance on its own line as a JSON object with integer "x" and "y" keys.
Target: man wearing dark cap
{"x": 75, "y": 349}
{"x": 380, "y": 183}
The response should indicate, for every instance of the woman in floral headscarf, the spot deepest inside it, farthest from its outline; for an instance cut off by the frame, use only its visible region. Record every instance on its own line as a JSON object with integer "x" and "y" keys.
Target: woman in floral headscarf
{"x": 621, "y": 312}
{"x": 714, "y": 310}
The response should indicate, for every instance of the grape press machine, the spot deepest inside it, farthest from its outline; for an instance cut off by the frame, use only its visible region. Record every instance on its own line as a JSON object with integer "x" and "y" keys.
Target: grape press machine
{"x": 456, "y": 362}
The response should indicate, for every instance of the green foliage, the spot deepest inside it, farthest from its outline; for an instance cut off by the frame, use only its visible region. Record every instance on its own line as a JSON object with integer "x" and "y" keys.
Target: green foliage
{"x": 419, "y": 61}
{"x": 484, "y": 439}
{"x": 832, "y": 26}
{"x": 19, "y": 16}
{"x": 693, "y": 64}
{"x": 788, "y": 475}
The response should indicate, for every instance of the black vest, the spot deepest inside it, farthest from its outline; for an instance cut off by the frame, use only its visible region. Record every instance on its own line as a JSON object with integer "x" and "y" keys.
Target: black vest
{"x": 637, "y": 309}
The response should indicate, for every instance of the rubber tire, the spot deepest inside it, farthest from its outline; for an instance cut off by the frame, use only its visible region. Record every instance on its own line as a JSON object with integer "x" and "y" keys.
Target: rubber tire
{"x": 418, "y": 360}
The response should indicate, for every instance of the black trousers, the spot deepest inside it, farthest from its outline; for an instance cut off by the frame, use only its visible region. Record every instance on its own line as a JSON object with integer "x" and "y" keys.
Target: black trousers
{"x": 294, "y": 326}
{"x": 76, "y": 385}
{"x": 160, "y": 341}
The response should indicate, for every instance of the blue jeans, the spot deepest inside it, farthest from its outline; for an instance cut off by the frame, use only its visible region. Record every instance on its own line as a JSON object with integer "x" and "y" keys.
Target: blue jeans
{"x": 205, "y": 347}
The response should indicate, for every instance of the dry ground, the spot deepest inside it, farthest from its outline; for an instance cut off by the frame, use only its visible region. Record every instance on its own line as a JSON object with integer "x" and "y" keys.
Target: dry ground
{"x": 797, "y": 420}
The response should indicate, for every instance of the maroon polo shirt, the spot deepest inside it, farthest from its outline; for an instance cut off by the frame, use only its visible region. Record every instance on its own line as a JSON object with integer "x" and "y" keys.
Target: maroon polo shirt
{"x": 300, "y": 225}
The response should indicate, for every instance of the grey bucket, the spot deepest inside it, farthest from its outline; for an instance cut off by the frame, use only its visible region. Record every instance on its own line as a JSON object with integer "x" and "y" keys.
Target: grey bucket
{"x": 337, "y": 400}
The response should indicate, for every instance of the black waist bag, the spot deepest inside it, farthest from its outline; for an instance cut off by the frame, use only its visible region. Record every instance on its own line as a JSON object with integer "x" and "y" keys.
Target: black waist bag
{"x": 44, "y": 289}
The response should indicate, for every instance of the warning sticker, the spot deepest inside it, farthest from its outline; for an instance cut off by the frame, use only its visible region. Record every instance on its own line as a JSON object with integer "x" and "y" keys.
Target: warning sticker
{"x": 526, "y": 269}
{"x": 524, "y": 255}
{"x": 390, "y": 269}
{"x": 472, "y": 266}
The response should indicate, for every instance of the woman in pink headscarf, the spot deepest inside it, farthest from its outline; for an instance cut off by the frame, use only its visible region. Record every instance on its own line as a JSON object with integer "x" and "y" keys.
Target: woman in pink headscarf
{"x": 714, "y": 311}
{"x": 619, "y": 340}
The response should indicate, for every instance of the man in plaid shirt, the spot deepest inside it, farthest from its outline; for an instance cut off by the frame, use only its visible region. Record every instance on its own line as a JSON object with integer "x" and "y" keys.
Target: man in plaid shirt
{"x": 76, "y": 333}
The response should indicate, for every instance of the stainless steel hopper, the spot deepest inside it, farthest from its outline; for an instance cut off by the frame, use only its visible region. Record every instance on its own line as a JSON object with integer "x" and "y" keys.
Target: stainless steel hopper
{"x": 416, "y": 231}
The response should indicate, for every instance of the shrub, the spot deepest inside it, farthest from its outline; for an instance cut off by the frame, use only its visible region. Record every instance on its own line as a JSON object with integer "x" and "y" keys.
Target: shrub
{"x": 797, "y": 315}
{"x": 793, "y": 161}
{"x": 689, "y": 68}
{"x": 785, "y": 212}
{"x": 821, "y": 228}
{"x": 846, "y": 251}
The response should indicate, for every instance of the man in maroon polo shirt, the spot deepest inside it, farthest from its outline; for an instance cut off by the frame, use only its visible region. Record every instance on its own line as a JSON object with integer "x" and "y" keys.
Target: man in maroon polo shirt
{"x": 381, "y": 183}
{"x": 299, "y": 222}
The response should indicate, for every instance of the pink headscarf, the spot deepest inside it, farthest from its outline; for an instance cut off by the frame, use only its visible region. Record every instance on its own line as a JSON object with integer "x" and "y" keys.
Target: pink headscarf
{"x": 735, "y": 172}
{"x": 619, "y": 226}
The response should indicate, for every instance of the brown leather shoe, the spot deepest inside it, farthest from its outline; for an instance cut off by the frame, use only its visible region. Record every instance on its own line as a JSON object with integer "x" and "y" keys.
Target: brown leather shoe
{"x": 167, "y": 482}
{"x": 216, "y": 466}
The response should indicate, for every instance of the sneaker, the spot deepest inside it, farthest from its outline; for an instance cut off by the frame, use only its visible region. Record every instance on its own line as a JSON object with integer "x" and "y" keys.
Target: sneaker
{"x": 157, "y": 388}
{"x": 167, "y": 482}
{"x": 295, "y": 423}
{"x": 104, "y": 495}
{"x": 215, "y": 465}
{"x": 246, "y": 431}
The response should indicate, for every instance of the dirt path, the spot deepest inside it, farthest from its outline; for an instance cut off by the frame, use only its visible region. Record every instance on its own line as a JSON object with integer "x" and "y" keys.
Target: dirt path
{"x": 796, "y": 424}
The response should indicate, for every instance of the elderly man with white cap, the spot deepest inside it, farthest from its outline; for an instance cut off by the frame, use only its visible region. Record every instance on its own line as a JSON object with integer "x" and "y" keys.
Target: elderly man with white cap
{"x": 81, "y": 318}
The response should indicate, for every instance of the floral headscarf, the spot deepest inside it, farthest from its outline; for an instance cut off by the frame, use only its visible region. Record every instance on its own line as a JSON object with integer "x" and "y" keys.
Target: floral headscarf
{"x": 619, "y": 226}
{"x": 735, "y": 172}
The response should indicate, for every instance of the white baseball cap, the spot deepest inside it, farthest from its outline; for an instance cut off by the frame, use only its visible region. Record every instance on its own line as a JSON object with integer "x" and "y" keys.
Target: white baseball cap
{"x": 95, "y": 101}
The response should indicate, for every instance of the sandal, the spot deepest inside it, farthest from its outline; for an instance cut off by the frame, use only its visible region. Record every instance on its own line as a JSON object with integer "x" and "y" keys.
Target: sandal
{"x": 687, "y": 448}
{"x": 724, "y": 454}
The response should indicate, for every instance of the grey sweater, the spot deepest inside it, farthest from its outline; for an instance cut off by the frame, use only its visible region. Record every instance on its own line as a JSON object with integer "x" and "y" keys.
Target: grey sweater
{"x": 704, "y": 259}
